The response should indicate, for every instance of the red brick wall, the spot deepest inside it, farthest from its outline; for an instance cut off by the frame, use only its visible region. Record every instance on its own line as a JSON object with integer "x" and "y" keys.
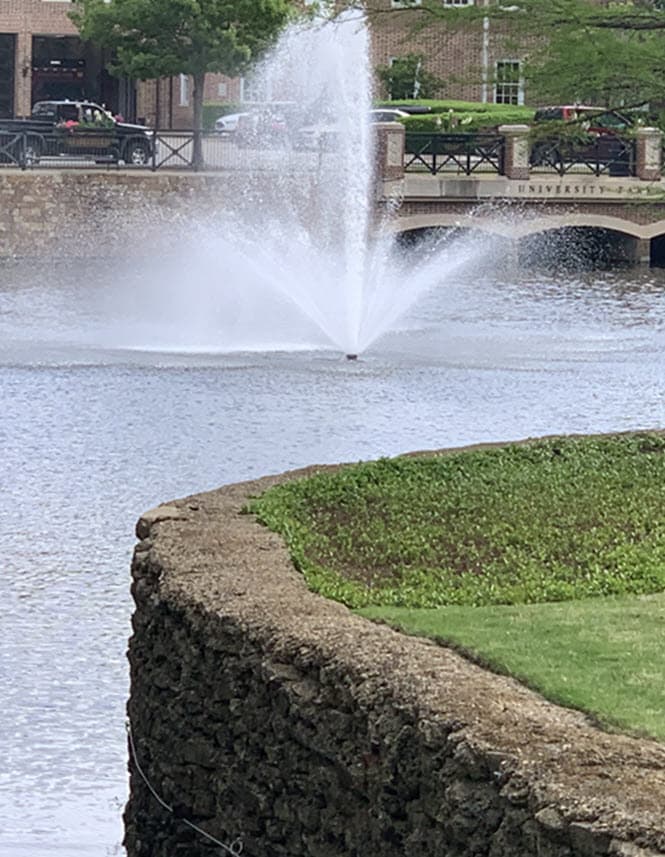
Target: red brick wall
{"x": 26, "y": 18}
{"x": 45, "y": 17}
{"x": 456, "y": 57}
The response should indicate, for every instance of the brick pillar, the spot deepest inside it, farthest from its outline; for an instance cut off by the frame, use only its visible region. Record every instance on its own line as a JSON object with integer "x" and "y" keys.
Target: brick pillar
{"x": 23, "y": 75}
{"x": 649, "y": 154}
{"x": 389, "y": 159}
{"x": 641, "y": 251}
{"x": 516, "y": 158}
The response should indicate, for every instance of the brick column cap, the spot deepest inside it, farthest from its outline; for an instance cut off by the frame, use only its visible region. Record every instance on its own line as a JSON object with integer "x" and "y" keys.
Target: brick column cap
{"x": 514, "y": 130}
{"x": 649, "y": 132}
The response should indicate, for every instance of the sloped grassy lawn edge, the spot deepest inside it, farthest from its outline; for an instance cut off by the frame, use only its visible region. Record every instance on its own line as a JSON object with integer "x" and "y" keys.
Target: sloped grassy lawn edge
{"x": 563, "y": 549}
{"x": 603, "y": 656}
{"x": 551, "y": 520}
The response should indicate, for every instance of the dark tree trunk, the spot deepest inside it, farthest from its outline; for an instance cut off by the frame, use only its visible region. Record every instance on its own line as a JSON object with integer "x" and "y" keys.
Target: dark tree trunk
{"x": 197, "y": 155}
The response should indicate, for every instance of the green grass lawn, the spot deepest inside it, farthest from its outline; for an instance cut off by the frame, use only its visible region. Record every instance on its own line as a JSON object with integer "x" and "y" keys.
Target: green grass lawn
{"x": 605, "y": 656}
{"x": 542, "y": 558}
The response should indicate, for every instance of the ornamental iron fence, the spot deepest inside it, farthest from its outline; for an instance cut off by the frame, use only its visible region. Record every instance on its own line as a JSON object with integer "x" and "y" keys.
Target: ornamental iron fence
{"x": 465, "y": 154}
{"x": 459, "y": 153}
{"x": 606, "y": 154}
{"x": 163, "y": 150}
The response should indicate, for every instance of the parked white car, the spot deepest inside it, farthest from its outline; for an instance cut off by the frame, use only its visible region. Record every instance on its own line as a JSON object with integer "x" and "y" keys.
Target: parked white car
{"x": 254, "y": 111}
{"x": 385, "y": 114}
{"x": 228, "y": 124}
{"x": 323, "y": 135}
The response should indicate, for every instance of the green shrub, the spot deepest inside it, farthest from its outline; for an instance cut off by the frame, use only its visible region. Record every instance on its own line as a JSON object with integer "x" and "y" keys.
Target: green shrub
{"x": 405, "y": 74}
{"x": 458, "y": 121}
{"x": 444, "y": 105}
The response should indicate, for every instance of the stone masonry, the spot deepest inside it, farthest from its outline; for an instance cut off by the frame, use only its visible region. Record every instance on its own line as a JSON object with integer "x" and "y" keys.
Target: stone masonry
{"x": 260, "y": 710}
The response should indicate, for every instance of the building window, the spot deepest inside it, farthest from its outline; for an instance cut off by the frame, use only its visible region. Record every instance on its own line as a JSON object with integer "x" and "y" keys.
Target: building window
{"x": 7, "y": 62}
{"x": 458, "y": 2}
{"x": 508, "y": 84}
{"x": 255, "y": 89}
{"x": 184, "y": 90}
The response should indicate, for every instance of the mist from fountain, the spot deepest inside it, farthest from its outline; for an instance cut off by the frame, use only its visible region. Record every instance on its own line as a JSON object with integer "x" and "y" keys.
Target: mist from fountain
{"x": 301, "y": 265}
{"x": 290, "y": 258}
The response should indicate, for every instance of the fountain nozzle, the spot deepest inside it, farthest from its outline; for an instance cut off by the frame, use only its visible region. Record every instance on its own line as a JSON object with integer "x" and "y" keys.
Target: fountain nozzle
{"x": 351, "y": 356}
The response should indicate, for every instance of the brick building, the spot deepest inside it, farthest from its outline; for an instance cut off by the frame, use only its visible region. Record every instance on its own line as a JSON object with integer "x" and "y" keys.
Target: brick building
{"x": 42, "y": 56}
{"x": 479, "y": 62}
{"x": 476, "y": 63}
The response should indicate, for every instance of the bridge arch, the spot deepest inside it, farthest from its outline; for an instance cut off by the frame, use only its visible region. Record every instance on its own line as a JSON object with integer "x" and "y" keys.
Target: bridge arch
{"x": 517, "y": 225}
{"x": 587, "y": 239}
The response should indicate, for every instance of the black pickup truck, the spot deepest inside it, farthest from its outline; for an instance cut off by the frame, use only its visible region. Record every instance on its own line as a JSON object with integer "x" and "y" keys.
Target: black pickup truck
{"x": 73, "y": 129}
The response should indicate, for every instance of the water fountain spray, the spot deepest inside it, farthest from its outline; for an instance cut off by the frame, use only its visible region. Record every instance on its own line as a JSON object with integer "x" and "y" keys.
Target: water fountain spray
{"x": 293, "y": 258}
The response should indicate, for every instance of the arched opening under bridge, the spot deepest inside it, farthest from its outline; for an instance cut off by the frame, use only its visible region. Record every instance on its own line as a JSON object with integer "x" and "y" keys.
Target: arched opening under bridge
{"x": 658, "y": 251}
{"x": 572, "y": 242}
{"x": 582, "y": 248}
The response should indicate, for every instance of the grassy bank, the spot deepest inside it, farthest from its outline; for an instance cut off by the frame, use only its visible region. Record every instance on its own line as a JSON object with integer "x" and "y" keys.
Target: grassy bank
{"x": 540, "y": 559}
{"x": 605, "y": 656}
{"x": 547, "y": 521}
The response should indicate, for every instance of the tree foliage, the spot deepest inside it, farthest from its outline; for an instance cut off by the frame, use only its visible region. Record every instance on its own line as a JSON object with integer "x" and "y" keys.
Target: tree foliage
{"x": 578, "y": 50}
{"x": 160, "y": 38}
{"x": 609, "y": 57}
{"x": 407, "y": 77}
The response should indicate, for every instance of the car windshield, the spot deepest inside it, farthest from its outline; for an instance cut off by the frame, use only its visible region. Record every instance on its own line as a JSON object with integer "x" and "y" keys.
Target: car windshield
{"x": 549, "y": 113}
{"x": 606, "y": 120}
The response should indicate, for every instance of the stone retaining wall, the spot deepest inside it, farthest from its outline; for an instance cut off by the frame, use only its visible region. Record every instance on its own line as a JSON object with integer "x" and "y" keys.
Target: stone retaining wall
{"x": 261, "y": 710}
{"x": 107, "y": 213}
{"x": 58, "y": 214}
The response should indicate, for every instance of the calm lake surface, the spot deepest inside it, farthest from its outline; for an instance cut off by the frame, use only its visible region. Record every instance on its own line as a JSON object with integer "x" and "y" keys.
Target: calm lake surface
{"x": 93, "y": 432}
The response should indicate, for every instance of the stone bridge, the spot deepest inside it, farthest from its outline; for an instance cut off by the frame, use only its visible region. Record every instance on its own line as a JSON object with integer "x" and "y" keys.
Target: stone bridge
{"x": 56, "y": 212}
{"x": 525, "y": 203}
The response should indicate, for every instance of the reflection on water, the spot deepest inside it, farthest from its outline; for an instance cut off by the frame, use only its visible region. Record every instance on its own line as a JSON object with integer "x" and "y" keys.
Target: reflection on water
{"x": 92, "y": 434}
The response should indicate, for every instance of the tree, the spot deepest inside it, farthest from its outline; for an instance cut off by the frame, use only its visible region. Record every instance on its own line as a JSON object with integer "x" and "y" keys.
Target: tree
{"x": 610, "y": 54}
{"x": 407, "y": 77}
{"x": 160, "y": 38}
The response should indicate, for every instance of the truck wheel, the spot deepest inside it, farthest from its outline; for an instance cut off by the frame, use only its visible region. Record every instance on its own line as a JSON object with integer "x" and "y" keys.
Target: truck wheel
{"x": 137, "y": 153}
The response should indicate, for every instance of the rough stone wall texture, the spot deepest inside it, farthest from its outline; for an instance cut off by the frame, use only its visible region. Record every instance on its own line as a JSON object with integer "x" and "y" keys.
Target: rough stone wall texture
{"x": 60, "y": 214}
{"x": 262, "y": 710}
{"x": 100, "y": 214}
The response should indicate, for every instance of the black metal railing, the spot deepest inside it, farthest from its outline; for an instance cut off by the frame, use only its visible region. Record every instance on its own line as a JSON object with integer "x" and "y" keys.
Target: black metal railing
{"x": 162, "y": 150}
{"x": 604, "y": 155}
{"x": 459, "y": 153}
{"x": 435, "y": 154}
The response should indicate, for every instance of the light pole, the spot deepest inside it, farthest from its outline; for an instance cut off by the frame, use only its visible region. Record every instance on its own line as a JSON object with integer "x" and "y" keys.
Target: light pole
{"x": 485, "y": 59}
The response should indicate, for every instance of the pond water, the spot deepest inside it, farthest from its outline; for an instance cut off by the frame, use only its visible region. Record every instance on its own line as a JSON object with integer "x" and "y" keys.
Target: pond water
{"x": 93, "y": 434}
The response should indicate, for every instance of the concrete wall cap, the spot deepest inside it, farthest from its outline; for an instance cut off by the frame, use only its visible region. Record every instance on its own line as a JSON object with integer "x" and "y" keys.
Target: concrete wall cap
{"x": 516, "y": 130}
{"x": 649, "y": 132}
{"x": 159, "y": 513}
